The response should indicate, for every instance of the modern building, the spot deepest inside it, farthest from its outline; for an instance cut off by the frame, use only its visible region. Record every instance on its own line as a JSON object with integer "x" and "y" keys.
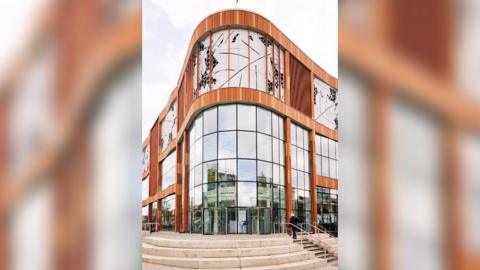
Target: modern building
{"x": 249, "y": 135}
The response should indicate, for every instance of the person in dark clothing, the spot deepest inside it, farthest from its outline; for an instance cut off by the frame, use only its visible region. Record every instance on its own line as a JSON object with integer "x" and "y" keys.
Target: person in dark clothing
{"x": 294, "y": 224}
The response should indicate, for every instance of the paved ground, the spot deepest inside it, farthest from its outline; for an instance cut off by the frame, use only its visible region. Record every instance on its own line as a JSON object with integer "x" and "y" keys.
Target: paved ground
{"x": 148, "y": 266}
{"x": 173, "y": 235}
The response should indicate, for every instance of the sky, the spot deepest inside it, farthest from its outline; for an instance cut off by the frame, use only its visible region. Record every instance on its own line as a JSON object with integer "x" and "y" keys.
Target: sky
{"x": 168, "y": 26}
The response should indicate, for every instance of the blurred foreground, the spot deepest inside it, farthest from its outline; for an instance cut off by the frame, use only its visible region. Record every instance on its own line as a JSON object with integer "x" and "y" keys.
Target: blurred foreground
{"x": 410, "y": 135}
{"x": 70, "y": 118}
{"x": 409, "y": 139}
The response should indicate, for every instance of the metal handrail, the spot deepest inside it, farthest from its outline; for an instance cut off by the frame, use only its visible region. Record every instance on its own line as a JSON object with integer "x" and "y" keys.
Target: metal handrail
{"x": 321, "y": 229}
{"x": 292, "y": 225}
{"x": 147, "y": 226}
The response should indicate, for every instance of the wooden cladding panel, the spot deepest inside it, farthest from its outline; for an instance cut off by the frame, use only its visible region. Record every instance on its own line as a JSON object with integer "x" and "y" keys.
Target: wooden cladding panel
{"x": 154, "y": 144}
{"x": 326, "y": 182}
{"x": 300, "y": 87}
{"x": 181, "y": 103}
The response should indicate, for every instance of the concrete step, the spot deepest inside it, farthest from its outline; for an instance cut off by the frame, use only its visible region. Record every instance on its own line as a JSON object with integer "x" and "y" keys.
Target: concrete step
{"x": 206, "y": 244}
{"x": 219, "y": 253}
{"x": 312, "y": 264}
{"x": 230, "y": 262}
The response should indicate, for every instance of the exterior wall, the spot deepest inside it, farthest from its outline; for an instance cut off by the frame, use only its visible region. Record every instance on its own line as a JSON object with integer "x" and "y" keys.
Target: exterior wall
{"x": 297, "y": 107}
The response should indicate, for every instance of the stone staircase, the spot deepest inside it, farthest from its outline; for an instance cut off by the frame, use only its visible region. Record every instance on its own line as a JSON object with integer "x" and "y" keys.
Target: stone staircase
{"x": 247, "y": 253}
{"x": 322, "y": 245}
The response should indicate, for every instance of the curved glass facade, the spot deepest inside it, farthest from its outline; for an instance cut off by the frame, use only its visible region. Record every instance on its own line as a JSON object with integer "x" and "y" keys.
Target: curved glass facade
{"x": 238, "y": 58}
{"x": 237, "y": 170}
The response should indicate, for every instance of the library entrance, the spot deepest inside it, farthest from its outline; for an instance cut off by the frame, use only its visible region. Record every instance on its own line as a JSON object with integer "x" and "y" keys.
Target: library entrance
{"x": 237, "y": 220}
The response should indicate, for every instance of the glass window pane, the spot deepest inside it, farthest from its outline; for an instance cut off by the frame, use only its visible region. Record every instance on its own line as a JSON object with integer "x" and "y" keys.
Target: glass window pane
{"x": 281, "y": 130}
{"x": 293, "y": 134}
{"x": 264, "y": 144}
{"x": 199, "y": 127}
{"x": 282, "y": 197}
{"x": 264, "y": 173}
{"x": 247, "y": 170}
{"x": 238, "y": 58}
{"x": 264, "y": 121}
{"x": 264, "y": 195}
{"x": 282, "y": 175}
{"x": 257, "y": 61}
{"x": 325, "y": 167}
{"x": 210, "y": 121}
{"x": 333, "y": 168}
{"x": 306, "y": 161}
{"x": 293, "y": 150}
{"x": 246, "y": 145}
{"x": 319, "y": 165}
{"x": 227, "y": 170}
{"x": 276, "y": 197}
{"x": 227, "y": 116}
{"x": 276, "y": 174}
{"x": 210, "y": 147}
{"x": 210, "y": 195}
{"x": 300, "y": 180}
{"x": 276, "y": 155}
{"x": 299, "y": 137}
{"x": 274, "y": 125}
{"x": 307, "y": 181}
{"x": 248, "y": 194}
{"x": 306, "y": 141}
{"x": 226, "y": 194}
{"x": 308, "y": 202}
{"x": 210, "y": 172}
{"x": 324, "y": 146}
{"x": 317, "y": 144}
{"x": 300, "y": 162}
{"x": 246, "y": 117}
{"x": 331, "y": 149}
{"x": 198, "y": 175}
{"x": 282, "y": 153}
{"x": 294, "y": 179}
{"x": 198, "y": 197}
{"x": 227, "y": 144}
{"x": 220, "y": 59}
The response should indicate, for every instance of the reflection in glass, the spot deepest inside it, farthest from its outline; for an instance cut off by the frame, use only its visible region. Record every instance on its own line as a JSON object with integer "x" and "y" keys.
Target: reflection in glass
{"x": 264, "y": 144}
{"x": 246, "y": 144}
{"x": 210, "y": 195}
{"x": 210, "y": 147}
{"x": 264, "y": 172}
{"x": 247, "y": 194}
{"x": 226, "y": 194}
{"x": 246, "y": 117}
{"x": 247, "y": 170}
{"x": 264, "y": 121}
{"x": 198, "y": 175}
{"x": 227, "y": 170}
{"x": 210, "y": 121}
{"x": 210, "y": 172}
{"x": 264, "y": 195}
{"x": 227, "y": 144}
{"x": 226, "y": 117}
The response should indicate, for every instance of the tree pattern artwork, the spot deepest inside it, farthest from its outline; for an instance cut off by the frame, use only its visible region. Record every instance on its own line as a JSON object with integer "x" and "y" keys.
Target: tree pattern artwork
{"x": 169, "y": 126}
{"x": 239, "y": 58}
{"x": 325, "y": 103}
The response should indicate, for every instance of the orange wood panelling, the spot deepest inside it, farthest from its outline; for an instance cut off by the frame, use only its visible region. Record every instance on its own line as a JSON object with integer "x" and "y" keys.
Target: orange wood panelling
{"x": 181, "y": 103}
{"x": 154, "y": 139}
{"x": 300, "y": 87}
{"x": 326, "y": 181}
{"x": 288, "y": 169}
{"x": 313, "y": 180}
{"x": 160, "y": 194}
{"x": 178, "y": 189}
{"x": 185, "y": 185}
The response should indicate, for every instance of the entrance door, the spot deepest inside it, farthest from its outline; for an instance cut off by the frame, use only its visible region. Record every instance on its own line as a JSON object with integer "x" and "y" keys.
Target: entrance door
{"x": 208, "y": 221}
{"x": 244, "y": 221}
{"x": 219, "y": 224}
{"x": 231, "y": 220}
{"x": 264, "y": 220}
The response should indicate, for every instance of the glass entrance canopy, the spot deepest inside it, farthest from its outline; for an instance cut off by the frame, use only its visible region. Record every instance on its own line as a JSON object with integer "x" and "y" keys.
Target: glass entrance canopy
{"x": 237, "y": 170}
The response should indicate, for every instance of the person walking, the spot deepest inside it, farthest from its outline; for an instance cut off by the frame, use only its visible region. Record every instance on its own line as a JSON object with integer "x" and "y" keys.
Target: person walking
{"x": 294, "y": 225}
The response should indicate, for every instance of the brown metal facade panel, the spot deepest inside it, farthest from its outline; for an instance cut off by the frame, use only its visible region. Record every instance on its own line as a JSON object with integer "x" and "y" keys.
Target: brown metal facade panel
{"x": 300, "y": 87}
{"x": 181, "y": 103}
{"x": 154, "y": 145}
